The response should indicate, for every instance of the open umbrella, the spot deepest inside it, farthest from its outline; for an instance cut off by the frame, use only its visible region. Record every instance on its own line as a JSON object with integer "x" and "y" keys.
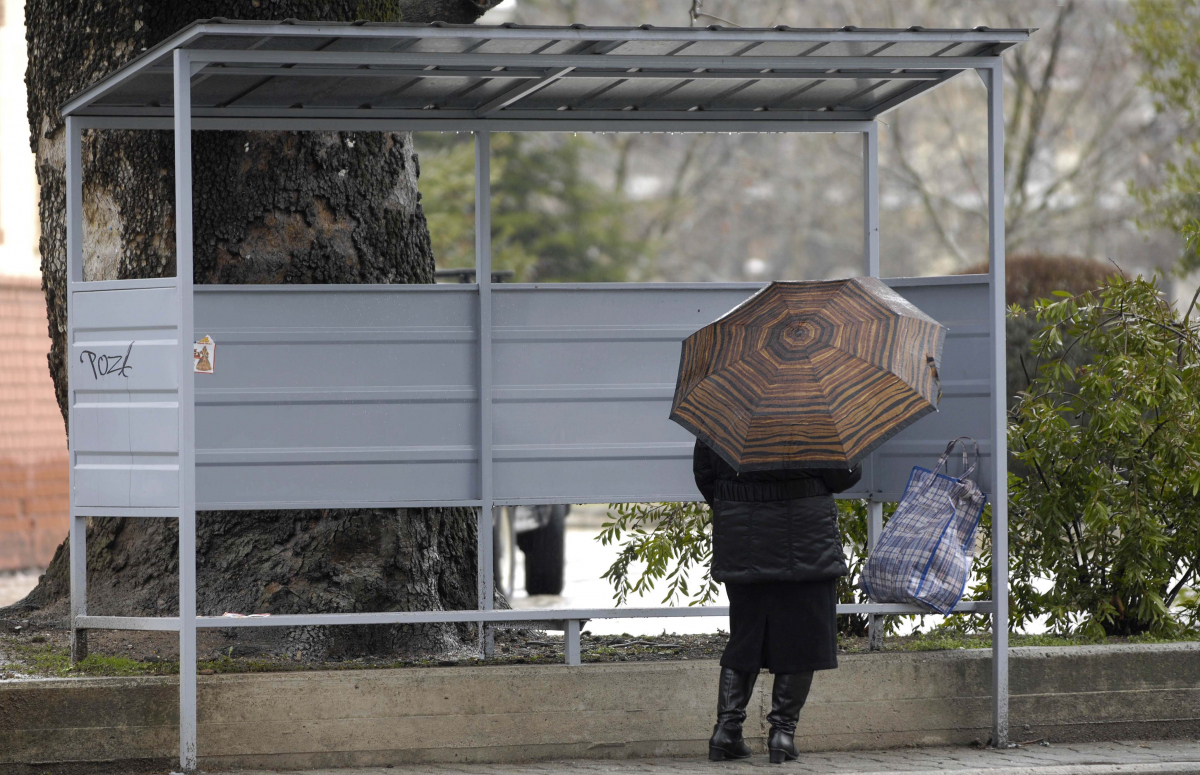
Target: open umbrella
{"x": 809, "y": 375}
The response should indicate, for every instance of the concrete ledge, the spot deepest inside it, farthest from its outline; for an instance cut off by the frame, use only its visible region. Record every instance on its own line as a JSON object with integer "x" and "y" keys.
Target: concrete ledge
{"x": 621, "y": 710}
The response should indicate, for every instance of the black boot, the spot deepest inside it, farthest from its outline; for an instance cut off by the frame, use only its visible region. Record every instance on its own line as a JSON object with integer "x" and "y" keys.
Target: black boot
{"x": 734, "y": 694}
{"x": 787, "y": 698}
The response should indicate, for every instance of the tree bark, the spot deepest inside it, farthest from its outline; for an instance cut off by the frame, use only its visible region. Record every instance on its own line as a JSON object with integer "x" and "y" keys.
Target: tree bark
{"x": 270, "y": 207}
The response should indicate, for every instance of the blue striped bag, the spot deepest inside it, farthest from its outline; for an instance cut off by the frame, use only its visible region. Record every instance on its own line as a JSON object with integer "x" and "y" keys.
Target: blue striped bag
{"x": 924, "y": 553}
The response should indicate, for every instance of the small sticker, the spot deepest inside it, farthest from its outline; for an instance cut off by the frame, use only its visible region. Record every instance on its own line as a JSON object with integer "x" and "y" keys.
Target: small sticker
{"x": 204, "y": 355}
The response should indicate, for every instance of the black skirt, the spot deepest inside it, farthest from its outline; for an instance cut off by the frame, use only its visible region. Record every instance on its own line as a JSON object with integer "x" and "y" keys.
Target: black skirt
{"x": 786, "y": 626}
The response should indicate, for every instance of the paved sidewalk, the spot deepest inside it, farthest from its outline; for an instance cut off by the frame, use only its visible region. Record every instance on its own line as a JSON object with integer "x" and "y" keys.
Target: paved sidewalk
{"x": 1127, "y": 758}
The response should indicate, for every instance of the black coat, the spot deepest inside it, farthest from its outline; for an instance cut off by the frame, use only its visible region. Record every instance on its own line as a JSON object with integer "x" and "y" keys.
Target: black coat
{"x": 772, "y": 525}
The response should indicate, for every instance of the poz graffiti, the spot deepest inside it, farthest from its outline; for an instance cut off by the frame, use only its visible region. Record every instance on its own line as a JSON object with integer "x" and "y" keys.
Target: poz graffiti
{"x": 103, "y": 365}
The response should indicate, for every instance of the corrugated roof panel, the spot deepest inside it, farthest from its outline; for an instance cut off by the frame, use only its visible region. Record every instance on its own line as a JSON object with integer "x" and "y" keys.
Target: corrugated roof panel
{"x": 707, "y": 48}
{"x": 228, "y": 42}
{"x": 653, "y": 48}
{"x": 822, "y": 95}
{"x": 679, "y": 71}
{"x": 443, "y": 45}
{"x": 571, "y": 93}
{"x": 550, "y": 47}
{"x": 713, "y": 95}
{"x": 877, "y": 96}
{"x": 775, "y": 95}
{"x": 665, "y": 94}
{"x": 967, "y": 50}
{"x": 791, "y": 48}
{"x": 290, "y": 44}
{"x": 141, "y": 91}
{"x": 526, "y": 46}
{"x": 277, "y": 91}
{"x": 905, "y": 49}
{"x": 631, "y": 93}
{"x": 211, "y": 92}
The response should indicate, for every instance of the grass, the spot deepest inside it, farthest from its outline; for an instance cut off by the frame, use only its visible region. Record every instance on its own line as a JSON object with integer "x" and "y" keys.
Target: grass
{"x": 50, "y": 661}
{"x": 55, "y": 662}
{"x": 935, "y": 641}
{"x": 949, "y": 641}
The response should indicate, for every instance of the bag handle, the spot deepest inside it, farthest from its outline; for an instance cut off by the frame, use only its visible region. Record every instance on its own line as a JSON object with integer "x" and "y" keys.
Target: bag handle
{"x": 944, "y": 459}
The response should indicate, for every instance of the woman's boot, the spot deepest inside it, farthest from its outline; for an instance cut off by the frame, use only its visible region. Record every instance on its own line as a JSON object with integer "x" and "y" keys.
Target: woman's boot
{"x": 734, "y": 694}
{"x": 787, "y": 698}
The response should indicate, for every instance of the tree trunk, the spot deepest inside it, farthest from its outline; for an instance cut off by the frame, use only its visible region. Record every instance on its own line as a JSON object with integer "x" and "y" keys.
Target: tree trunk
{"x": 270, "y": 207}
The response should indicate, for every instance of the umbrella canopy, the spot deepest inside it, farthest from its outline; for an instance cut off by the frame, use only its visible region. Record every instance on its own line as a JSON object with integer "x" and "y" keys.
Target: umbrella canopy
{"x": 809, "y": 375}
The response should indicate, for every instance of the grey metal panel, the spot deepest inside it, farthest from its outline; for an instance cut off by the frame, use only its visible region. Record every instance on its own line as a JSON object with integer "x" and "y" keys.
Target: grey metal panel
{"x": 125, "y": 404}
{"x": 337, "y": 395}
{"x": 584, "y": 378}
{"x": 367, "y": 394}
{"x": 966, "y": 393}
{"x": 585, "y": 375}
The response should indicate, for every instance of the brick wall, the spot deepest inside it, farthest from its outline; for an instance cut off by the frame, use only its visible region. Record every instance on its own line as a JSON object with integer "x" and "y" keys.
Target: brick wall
{"x": 33, "y": 512}
{"x": 33, "y": 445}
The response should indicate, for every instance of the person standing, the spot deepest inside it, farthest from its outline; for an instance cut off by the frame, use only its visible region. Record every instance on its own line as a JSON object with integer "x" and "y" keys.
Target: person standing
{"x": 777, "y": 550}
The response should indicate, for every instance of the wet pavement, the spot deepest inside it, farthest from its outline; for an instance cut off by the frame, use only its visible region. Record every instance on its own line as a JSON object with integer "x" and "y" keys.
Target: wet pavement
{"x": 1127, "y": 758}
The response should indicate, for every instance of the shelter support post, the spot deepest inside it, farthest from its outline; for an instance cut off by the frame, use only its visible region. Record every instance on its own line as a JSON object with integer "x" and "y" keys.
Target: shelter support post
{"x": 483, "y": 277}
{"x": 187, "y": 409}
{"x": 993, "y": 78}
{"x": 871, "y": 200}
{"x": 875, "y": 624}
{"x": 78, "y": 535}
{"x": 571, "y": 648}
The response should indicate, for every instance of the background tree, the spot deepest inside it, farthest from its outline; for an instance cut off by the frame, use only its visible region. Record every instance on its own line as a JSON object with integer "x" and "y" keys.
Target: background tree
{"x": 314, "y": 207}
{"x": 550, "y": 219}
{"x": 1165, "y": 35}
{"x": 1079, "y": 124}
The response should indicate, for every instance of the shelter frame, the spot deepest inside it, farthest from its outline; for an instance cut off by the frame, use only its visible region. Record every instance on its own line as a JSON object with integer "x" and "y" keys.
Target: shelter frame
{"x": 182, "y": 119}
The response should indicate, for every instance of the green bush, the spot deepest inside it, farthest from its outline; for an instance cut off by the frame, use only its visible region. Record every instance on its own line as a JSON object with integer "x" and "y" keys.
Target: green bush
{"x": 1108, "y": 509}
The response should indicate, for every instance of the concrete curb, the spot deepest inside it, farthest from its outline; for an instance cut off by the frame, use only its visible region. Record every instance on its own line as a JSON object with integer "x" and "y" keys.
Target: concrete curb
{"x": 624, "y": 710}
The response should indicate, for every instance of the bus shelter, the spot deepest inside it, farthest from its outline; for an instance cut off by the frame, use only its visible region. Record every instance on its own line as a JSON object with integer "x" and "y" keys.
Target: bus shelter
{"x": 476, "y": 395}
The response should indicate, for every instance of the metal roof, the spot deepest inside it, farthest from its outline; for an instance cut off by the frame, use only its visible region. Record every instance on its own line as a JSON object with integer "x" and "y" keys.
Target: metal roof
{"x": 299, "y": 69}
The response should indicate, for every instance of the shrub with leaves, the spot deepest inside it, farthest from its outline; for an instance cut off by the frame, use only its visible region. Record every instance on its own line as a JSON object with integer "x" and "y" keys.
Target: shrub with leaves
{"x": 668, "y": 541}
{"x": 1109, "y": 510}
{"x": 1024, "y": 597}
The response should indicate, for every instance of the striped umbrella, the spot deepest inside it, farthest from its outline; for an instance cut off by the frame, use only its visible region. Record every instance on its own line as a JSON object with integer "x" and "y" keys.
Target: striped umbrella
{"x": 809, "y": 375}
